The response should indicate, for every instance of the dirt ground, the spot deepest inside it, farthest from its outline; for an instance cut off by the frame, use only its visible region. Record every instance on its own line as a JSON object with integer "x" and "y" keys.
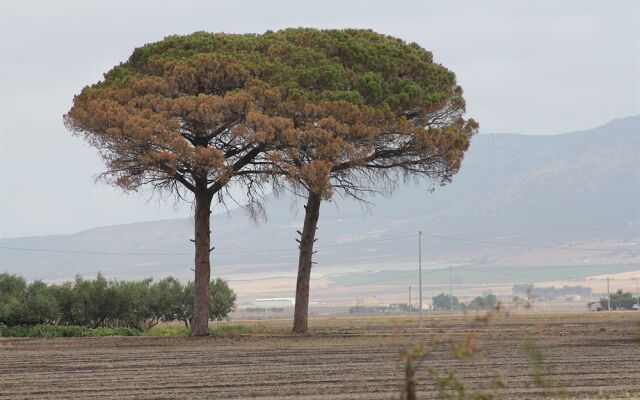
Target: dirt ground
{"x": 592, "y": 356}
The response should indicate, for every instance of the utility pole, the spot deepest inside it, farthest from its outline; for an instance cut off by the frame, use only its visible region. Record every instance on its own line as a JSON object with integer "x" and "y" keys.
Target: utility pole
{"x": 638, "y": 293}
{"x": 450, "y": 291}
{"x": 608, "y": 296}
{"x": 420, "y": 275}
{"x": 409, "y": 299}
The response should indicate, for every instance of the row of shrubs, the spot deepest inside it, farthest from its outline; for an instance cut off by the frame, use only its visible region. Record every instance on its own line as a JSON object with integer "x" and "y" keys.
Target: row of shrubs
{"x": 93, "y": 303}
{"x": 444, "y": 302}
{"x": 620, "y": 300}
{"x": 63, "y": 331}
{"x": 440, "y": 302}
{"x": 49, "y": 331}
{"x": 219, "y": 330}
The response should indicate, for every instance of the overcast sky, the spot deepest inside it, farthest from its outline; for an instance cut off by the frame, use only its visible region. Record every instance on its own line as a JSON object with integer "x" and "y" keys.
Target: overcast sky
{"x": 535, "y": 67}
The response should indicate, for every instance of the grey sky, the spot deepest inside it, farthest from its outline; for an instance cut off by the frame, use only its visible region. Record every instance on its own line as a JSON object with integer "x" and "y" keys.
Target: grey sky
{"x": 526, "y": 66}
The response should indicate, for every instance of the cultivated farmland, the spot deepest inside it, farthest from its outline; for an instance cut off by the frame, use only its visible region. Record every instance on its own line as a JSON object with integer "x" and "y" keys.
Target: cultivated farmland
{"x": 592, "y": 356}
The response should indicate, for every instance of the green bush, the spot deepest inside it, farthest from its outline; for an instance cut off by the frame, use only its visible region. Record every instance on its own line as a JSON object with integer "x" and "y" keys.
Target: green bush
{"x": 13, "y": 290}
{"x": 619, "y": 301}
{"x": 444, "y": 302}
{"x": 486, "y": 301}
{"x": 220, "y": 330}
{"x": 230, "y": 330}
{"x": 45, "y": 331}
{"x": 48, "y": 331}
{"x": 223, "y": 300}
{"x": 66, "y": 330}
{"x": 101, "y": 331}
{"x": 168, "y": 330}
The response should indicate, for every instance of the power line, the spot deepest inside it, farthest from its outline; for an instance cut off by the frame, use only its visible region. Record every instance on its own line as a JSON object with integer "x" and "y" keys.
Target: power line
{"x": 102, "y": 253}
{"x": 444, "y": 282}
{"x": 264, "y": 278}
{"x": 512, "y": 244}
{"x": 366, "y": 241}
{"x": 117, "y": 253}
{"x": 391, "y": 278}
{"x": 394, "y": 278}
{"x": 538, "y": 274}
{"x": 280, "y": 250}
{"x": 360, "y": 282}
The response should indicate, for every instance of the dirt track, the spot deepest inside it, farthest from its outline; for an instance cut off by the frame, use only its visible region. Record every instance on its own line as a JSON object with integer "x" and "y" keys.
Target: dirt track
{"x": 592, "y": 356}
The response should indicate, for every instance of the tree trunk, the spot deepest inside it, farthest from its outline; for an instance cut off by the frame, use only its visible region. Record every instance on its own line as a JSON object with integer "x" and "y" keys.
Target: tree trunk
{"x": 200, "y": 322}
{"x": 307, "y": 239}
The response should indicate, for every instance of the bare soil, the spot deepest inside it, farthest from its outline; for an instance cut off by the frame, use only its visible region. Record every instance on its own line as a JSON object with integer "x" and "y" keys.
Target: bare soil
{"x": 591, "y": 356}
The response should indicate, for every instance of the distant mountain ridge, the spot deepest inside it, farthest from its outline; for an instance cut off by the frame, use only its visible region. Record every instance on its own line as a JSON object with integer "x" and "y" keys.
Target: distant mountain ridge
{"x": 568, "y": 189}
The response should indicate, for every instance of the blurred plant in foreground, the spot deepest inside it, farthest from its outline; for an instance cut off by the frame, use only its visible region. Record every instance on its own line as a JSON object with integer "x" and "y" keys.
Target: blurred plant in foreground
{"x": 450, "y": 385}
{"x": 540, "y": 370}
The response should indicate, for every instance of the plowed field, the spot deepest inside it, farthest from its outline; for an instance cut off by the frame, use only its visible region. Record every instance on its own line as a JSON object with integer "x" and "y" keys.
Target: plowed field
{"x": 592, "y": 356}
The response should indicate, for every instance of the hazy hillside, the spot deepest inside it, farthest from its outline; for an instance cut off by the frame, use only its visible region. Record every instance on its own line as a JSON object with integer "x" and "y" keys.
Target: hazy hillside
{"x": 577, "y": 189}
